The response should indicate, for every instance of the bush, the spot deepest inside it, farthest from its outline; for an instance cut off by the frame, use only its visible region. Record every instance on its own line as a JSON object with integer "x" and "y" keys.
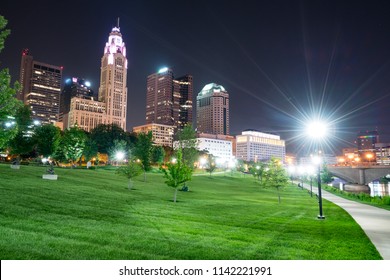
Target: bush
{"x": 386, "y": 200}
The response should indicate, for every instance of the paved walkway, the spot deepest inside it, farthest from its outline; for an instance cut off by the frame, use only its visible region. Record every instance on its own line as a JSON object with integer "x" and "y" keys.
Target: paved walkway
{"x": 374, "y": 221}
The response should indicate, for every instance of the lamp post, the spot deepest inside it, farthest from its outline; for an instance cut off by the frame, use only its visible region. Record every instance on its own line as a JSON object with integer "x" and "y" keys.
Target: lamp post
{"x": 317, "y": 160}
{"x": 317, "y": 130}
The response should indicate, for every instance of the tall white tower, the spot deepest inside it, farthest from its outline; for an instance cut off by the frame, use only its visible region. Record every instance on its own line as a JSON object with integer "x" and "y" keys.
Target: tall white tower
{"x": 113, "y": 77}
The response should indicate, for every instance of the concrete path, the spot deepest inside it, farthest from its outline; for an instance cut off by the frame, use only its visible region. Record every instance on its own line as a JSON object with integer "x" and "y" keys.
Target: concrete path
{"x": 374, "y": 221}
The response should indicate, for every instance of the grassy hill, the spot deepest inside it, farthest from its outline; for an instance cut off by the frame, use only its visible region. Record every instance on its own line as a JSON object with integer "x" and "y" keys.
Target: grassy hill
{"x": 90, "y": 214}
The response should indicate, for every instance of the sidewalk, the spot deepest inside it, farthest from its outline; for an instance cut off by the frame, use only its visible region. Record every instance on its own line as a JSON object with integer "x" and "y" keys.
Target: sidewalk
{"x": 374, "y": 221}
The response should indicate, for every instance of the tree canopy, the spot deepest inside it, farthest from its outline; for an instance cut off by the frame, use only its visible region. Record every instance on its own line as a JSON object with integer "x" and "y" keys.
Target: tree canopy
{"x": 177, "y": 173}
{"x": 73, "y": 143}
{"x": 47, "y": 138}
{"x": 143, "y": 149}
{"x": 188, "y": 144}
{"x": 8, "y": 103}
{"x": 275, "y": 176}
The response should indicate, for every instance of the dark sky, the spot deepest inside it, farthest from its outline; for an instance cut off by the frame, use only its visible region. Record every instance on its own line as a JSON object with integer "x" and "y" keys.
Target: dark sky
{"x": 280, "y": 61}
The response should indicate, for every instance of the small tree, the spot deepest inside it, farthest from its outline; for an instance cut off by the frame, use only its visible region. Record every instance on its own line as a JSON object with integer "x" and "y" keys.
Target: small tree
{"x": 73, "y": 143}
{"x": 188, "y": 145}
{"x": 143, "y": 149}
{"x": 177, "y": 173}
{"x": 275, "y": 176}
{"x": 326, "y": 177}
{"x": 130, "y": 170}
{"x": 158, "y": 154}
{"x": 211, "y": 166}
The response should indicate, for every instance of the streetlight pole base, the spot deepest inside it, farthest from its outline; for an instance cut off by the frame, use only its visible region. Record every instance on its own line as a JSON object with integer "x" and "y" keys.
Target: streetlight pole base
{"x": 320, "y": 217}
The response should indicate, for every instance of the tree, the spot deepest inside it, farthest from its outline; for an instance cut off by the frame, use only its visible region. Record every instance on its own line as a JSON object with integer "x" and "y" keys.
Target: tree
{"x": 177, "y": 173}
{"x": 188, "y": 144}
{"x": 257, "y": 170}
{"x": 275, "y": 176}
{"x": 8, "y": 103}
{"x": 119, "y": 146}
{"x": 130, "y": 170}
{"x": 143, "y": 149}
{"x": 47, "y": 138}
{"x": 73, "y": 143}
{"x": 23, "y": 143}
{"x": 211, "y": 166}
{"x": 158, "y": 154}
{"x": 326, "y": 177}
{"x": 105, "y": 134}
{"x": 90, "y": 149}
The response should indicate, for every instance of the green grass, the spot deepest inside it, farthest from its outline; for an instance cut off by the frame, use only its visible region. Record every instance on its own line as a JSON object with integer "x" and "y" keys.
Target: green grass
{"x": 90, "y": 214}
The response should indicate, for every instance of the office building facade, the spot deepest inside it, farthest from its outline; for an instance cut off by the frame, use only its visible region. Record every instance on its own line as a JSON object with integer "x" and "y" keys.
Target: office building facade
{"x": 74, "y": 87}
{"x": 366, "y": 141}
{"x": 212, "y": 104}
{"x": 183, "y": 90}
{"x": 40, "y": 88}
{"x": 256, "y": 146}
{"x": 162, "y": 134}
{"x": 169, "y": 100}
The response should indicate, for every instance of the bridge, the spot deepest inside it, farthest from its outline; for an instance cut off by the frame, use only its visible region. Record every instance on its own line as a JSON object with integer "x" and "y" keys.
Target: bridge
{"x": 361, "y": 175}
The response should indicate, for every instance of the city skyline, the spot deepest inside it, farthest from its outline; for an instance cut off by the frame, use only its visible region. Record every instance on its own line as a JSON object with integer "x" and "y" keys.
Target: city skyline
{"x": 279, "y": 61}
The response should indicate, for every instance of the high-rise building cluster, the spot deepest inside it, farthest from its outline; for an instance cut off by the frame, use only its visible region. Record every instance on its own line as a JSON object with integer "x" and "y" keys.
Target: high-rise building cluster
{"x": 169, "y": 104}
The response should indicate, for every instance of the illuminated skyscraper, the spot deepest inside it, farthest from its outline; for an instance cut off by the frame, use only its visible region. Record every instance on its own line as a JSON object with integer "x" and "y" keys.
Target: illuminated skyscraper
{"x": 113, "y": 77}
{"x": 41, "y": 88}
{"x": 212, "y": 105}
{"x": 183, "y": 87}
{"x": 159, "y": 98}
{"x": 169, "y": 100}
{"x": 74, "y": 87}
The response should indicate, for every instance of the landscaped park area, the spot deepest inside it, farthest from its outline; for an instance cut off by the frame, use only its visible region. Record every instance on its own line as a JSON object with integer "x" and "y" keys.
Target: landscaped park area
{"x": 91, "y": 214}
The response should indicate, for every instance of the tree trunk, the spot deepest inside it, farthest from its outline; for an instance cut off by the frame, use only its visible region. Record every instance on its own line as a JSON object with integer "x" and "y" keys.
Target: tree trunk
{"x": 144, "y": 175}
{"x": 174, "y": 196}
{"x": 130, "y": 185}
{"x": 278, "y": 195}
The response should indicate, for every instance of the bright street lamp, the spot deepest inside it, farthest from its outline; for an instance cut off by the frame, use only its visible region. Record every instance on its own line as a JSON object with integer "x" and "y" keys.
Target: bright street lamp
{"x": 119, "y": 156}
{"x": 318, "y": 130}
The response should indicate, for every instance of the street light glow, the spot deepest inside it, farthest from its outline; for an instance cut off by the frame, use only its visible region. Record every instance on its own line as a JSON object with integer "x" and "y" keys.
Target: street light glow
{"x": 317, "y": 129}
{"x": 120, "y": 155}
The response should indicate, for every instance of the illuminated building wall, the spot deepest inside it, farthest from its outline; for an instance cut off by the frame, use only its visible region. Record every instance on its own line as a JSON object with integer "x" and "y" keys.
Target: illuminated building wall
{"x": 256, "y": 146}
{"x": 169, "y": 100}
{"x": 366, "y": 141}
{"x": 41, "y": 88}
{"x": 162, "y": 134}
{"x": 160, "y": 99}
{"x": 74, "y": 87}
{"x": 212, "y": 105}
{"x": 86, "y": 113}
{"x": 113, "y": 77}
{"x": 183, "y": 88}
{"x": 217, "y": 147}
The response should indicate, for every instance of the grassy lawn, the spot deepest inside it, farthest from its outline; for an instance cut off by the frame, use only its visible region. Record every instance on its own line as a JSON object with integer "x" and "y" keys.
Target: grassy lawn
{"x": 90, "y": 214}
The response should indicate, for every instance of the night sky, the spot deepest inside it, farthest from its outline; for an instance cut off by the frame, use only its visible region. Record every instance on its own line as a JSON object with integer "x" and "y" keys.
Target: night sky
{"x": 280, "y": 61}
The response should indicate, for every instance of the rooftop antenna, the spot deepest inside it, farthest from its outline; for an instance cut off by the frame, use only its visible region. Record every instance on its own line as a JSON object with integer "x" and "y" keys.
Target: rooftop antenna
{"x": 118, "y": 22}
